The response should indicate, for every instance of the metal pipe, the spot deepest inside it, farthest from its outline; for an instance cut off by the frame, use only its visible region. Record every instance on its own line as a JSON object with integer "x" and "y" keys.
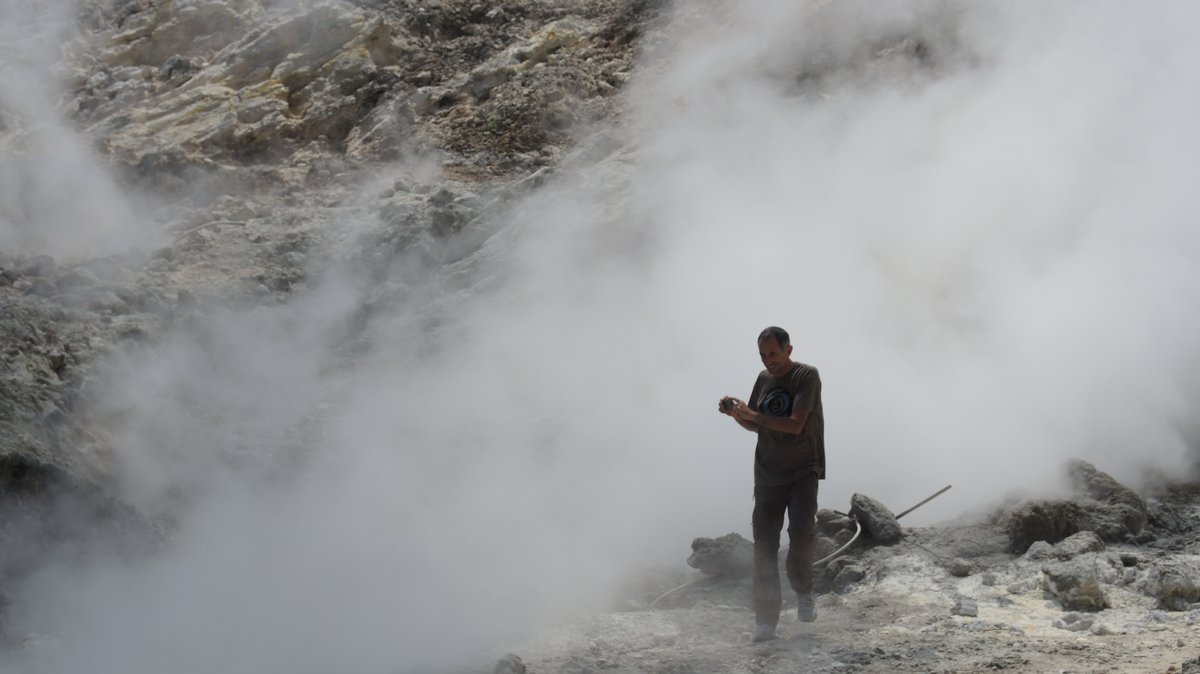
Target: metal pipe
{"x": 941, "y": 491}
{"x": 857, "y": 531}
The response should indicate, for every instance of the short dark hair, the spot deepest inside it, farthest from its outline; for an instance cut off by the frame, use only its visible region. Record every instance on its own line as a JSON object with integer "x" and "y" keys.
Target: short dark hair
{"x": 780, "y": 335}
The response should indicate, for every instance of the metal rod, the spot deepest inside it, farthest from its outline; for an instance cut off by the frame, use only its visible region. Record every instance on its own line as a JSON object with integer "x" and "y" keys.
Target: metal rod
{"x": 943, "y": 490}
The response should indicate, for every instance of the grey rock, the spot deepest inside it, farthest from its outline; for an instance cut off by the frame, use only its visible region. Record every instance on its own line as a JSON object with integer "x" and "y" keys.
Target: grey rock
{"x": 1075, "y": 622}
{"x": 509, "y": 664}
{"x": 1101, "y": 486}
{"x": 1039, "y": 551}
{"x": 965, "y": 607}
{"x": 824, "y": 547}
{"x": 730, "y": 555}
{"x": 1048, "y": 520}
{"x": 877, "y": 521}
{"x": 960, "y": 567}
{"x": 1076, "y": 544}
{"x": 830, "y": 522}
{"x": 79, "y": 277}
{"x": 1108, "y": 508}
{"x": 848, "y": 575}
{"x": 1173, "y": 581}
{"x": 1078, "y": 583}
{"x": 107, "y": 301}
{"x": 1166, "y": 516}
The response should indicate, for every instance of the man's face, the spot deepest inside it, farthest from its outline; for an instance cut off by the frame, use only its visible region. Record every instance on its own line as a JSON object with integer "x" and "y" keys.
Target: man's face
{"x": 777, "y": 360}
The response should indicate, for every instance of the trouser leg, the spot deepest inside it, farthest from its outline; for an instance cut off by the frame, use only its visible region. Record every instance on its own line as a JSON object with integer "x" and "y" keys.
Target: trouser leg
{"x": 770, "y": 504}
{"x": 802, "y": 532}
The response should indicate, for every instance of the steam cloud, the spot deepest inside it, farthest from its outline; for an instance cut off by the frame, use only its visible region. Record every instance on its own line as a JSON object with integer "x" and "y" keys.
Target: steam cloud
{"x": 983, "y": 237}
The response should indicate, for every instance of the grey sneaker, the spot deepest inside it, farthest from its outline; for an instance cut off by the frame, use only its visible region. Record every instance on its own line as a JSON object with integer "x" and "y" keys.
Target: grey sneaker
{"x": 806, "y": 608}
{"x": 764, "y": 633}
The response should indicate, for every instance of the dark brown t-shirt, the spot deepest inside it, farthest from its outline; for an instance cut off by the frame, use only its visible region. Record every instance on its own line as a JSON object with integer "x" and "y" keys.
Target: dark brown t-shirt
{"x": 780, "y": 457}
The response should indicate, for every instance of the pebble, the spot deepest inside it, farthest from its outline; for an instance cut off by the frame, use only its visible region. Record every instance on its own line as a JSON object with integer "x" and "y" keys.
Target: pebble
{"x": 965, "y": 607}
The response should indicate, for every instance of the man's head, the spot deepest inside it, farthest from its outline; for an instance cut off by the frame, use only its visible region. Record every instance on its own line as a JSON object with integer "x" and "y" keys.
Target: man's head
{"x": 775, "y": 349}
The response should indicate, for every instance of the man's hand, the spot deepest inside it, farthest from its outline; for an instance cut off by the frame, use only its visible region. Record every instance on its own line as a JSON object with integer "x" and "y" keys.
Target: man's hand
{"x": 728, "y": 404}
{"x": 733, "y": 407}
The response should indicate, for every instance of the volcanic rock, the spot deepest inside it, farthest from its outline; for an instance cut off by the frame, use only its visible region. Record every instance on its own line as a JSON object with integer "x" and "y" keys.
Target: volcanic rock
{"x": 960, "y": 567}
{"x": 1077, "y": 583}
{"x": 730, "y": 555}
{"x": 1174, "y": 582}
{"x": 1077, "y": 544}
{"x": 965, "y": 607}
{"x": 877, "y": 521}
{"x": 830, "y": 522}
{"x": 509, "y": 664}
{"x": 1101, "y": 486}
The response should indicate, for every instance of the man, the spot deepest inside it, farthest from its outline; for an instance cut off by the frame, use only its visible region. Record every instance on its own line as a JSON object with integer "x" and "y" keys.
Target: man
{"x": 785, "y": 411}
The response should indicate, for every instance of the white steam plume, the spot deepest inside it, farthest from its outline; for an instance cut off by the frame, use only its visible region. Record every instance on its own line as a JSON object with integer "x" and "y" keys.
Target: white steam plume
{"x": 982, "y": 238}
{"x": 56, "y": 196}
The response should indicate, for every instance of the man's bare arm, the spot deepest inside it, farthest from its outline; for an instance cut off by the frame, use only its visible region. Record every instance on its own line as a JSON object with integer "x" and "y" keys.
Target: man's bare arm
{"x": 748, "y": 425}
{"x": 793, "y": 424}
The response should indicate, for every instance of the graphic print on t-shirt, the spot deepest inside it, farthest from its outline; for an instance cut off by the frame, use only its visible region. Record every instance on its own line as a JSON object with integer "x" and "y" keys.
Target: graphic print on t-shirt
{"x": 776, "y": 403}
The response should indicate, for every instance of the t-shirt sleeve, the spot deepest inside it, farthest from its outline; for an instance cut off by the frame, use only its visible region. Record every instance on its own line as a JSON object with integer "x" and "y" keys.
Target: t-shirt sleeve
{"x": 755, "y": 392}
{"x": 807, "y": 388}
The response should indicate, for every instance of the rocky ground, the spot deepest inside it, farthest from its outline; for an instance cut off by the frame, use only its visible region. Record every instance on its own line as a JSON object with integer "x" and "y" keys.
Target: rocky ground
{"x": 276, "y": 142}
{"x": 952, "y": 598}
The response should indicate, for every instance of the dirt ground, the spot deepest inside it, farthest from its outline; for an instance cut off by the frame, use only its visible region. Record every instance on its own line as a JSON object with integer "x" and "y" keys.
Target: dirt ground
{"x": 897, "y": 619}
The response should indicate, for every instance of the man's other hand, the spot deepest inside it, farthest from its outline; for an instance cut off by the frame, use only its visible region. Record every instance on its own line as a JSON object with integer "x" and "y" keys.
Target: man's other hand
{"x": 728, "y": 404}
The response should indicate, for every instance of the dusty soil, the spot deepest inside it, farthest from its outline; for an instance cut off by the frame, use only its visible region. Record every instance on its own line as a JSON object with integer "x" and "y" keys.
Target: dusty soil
{"x": 897, "y": 619}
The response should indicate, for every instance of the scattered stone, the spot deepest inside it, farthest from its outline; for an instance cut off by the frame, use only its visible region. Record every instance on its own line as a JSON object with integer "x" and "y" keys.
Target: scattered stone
{"x": 1040, "y": 551}
{"x": 509, "y": 664}
{"x": 965, "y": 607}
{"x": 1077, "y": 583}
{"x": 1174, "y": 582}
{"x": 989, "y": 579}
{"x": 960, "y": 567}
{"x": 877, "y": 521}
{"x": 831, "y": 523}
{"x": 1077, "y": 544}
{"x": 1102, "y": 630}
{"x": 824, "y": 547}
{"x": 1074, "y": 622}
{"x": 730, "y": 555}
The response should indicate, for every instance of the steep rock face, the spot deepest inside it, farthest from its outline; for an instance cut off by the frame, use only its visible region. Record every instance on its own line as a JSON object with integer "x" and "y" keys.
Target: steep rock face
{"x": 253, "y": 124}
{"x": 167, "y": 86}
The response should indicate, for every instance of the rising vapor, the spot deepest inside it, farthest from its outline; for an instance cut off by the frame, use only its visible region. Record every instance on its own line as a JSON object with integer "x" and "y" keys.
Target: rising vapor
{"x": 973, "y": 219}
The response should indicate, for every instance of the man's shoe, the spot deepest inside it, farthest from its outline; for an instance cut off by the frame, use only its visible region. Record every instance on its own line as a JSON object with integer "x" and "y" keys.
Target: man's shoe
{"x": 764, "y": 633}
{"x": 806, "y": 608}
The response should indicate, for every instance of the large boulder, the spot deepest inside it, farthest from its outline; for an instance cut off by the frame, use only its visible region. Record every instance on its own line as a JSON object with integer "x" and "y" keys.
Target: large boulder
{"x": 1050, "y": 521}
{"x": 1089, "y": 481}
{"x": 1102, "y": 505}
{"x": 730, "y": 555}
{"x": 877, "y": 521}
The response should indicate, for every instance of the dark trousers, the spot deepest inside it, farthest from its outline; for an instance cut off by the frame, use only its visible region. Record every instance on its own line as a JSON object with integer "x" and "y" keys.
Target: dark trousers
{"x": 799, "y": 500}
